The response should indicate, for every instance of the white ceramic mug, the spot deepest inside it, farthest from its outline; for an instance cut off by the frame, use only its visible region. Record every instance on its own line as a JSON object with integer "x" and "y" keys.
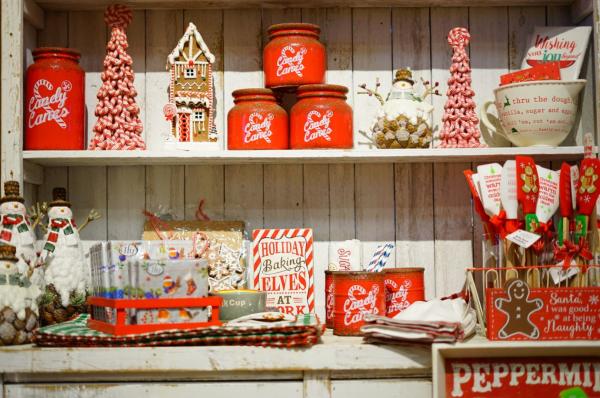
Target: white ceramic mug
{"x": 538, "y": 113}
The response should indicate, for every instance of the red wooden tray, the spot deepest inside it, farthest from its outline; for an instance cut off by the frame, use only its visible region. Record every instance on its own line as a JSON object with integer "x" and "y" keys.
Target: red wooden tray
{"x": 120, "y": 328}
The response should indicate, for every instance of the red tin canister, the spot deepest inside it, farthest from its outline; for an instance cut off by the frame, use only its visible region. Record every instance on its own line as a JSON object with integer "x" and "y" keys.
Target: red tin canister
{"x": 55, "y": 101}
{"x": 321, "y": 118}
{"x": 294, "y": 55}
{"x": 356, "y": 294}
{"x": 403, "y": 286}
{"x": 257, "y": 121}
{"x": 329, "y": 299}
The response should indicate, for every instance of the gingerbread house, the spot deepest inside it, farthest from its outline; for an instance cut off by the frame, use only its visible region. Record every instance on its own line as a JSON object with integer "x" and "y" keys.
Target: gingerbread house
{"x": 191, "y": 92}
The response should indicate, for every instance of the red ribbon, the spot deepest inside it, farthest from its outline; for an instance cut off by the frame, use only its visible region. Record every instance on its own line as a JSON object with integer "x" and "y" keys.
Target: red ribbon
{"x": 571, "y": 251}
{"x": 499, "y": 221}
{"x": 157, "y": 225}
{"x": 545, "y": 230}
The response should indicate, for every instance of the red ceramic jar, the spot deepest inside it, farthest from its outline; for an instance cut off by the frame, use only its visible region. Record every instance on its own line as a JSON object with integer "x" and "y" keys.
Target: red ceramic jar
{"x": 356, "y": 294}
{"x": 403, "y": 286}
{"x": 257, "y": 121}
{"x": 321, "y": 118}
{"x": 294, "y": 55}
{"x": 55, "y": 100}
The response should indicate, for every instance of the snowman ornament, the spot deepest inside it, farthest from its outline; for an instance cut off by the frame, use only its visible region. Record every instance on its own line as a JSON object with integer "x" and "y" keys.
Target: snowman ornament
{"x": 62, "y": 252}
{"x": 18, "y": 300}
{"x": 16, "y": 227}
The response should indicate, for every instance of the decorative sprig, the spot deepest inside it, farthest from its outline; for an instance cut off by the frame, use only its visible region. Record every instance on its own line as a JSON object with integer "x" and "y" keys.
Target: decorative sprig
{"x": 92, "y": 216}
{"x": 429, "y": 89}
{"x": 372, "y": 93}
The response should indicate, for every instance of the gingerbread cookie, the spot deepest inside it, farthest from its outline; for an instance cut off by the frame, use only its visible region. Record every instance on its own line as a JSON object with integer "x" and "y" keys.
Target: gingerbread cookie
{"x": 518, "y": 309}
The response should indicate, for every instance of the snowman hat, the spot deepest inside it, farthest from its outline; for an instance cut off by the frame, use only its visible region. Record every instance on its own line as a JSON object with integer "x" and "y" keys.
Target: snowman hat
{"x": 404, "y": 75}
{"x": 11, "y": 192}
{"x": 8, "y": 253}
{"x": 59, "y": 198}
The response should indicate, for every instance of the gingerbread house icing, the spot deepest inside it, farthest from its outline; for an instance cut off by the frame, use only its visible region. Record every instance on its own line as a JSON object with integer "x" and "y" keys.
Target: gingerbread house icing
{"x": 191, "y": 91}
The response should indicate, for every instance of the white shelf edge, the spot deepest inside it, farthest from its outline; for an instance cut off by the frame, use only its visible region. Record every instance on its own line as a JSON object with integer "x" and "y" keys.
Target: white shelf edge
{"x": 333, "y": 354}
{"x": 174, "y": 157}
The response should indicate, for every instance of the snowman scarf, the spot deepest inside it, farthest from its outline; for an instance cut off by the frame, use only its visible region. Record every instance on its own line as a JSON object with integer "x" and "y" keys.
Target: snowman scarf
{"x": 60, "y": 226}
{"x": 9, "y": 221}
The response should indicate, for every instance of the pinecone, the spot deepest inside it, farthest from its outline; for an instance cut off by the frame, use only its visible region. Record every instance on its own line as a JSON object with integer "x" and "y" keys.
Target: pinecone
{"x": 52, "y": 311}
{"x": 14, "y": 330}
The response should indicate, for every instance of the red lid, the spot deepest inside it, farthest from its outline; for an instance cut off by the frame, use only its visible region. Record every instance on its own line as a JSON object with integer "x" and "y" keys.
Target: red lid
{"x": 293, "y": 29}
{"x": 255, "y": 94}
{"x": 404, "y": 270}
{"x": 58, "y": 52}
{"x": 322, "y": 90}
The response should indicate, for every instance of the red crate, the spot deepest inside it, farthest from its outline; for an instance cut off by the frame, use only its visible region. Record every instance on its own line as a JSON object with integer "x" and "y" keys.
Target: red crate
{"x": 120, "y": 327}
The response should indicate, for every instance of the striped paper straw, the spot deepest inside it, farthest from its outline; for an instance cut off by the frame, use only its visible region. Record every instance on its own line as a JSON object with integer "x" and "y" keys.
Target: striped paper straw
{"x": 380, "y": 258}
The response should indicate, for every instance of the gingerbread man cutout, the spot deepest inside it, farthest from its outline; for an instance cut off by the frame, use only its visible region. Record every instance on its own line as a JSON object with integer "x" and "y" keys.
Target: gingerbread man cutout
{"x": 518, "y": 309}
{"x": 588, "y": 181}
{"x": 529, "y": 180}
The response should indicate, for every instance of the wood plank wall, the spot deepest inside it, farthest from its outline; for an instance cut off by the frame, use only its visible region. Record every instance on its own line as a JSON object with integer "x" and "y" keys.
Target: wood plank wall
{"x": 423, "y": 208}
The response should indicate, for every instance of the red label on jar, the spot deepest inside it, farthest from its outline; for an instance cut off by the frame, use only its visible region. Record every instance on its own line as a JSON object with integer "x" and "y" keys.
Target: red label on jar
{"x": 356, "y": 294}
{"x": 317, "y": 126}
{"x": 290, "y": 60}
{"x": 402, "y": 288}
{"x": 48, "y": 104}
{"x": 355, "y": 308}
{"x": 329, "y": 300}
{"x": 258, "y": 127}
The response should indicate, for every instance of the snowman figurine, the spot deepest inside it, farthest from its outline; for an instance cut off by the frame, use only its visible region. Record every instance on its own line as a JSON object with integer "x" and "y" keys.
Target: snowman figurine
{"x": 65, "y": 272}
{"x": 16, "y": 227}
{"x": 404, "y": 119}
{"x": 18, "y": 300}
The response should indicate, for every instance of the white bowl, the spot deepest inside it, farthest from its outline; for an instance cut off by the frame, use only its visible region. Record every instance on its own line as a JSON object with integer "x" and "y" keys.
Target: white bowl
{"x": 538, "y": 113}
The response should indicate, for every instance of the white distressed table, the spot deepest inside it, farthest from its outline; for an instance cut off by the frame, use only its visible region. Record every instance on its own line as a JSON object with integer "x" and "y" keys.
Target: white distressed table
{"x": 339, "y": 367}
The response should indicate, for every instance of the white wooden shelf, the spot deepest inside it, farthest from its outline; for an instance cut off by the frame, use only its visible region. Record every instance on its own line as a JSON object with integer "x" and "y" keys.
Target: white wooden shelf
{"x": 162, "y": 4}
{"x": 344, "y": 354}
{"x": 174, "y": 157}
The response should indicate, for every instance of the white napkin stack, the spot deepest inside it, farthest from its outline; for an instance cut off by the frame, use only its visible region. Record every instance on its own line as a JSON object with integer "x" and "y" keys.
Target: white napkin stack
{"x": 424, "y": 322}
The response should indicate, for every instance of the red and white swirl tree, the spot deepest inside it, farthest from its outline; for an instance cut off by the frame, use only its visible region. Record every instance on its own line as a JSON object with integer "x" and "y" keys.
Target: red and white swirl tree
{"x": 460, "y": 123}
{"x": 118, "y": 125}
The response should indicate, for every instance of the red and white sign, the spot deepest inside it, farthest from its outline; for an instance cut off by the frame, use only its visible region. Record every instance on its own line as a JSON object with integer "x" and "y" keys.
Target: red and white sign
{"x": 542, "y": 377}
{"x": 283, "y": 267}
{"x": 520, "y": 313}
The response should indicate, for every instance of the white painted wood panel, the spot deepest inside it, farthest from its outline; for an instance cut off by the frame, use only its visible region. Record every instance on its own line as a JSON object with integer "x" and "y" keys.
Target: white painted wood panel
{"x": 156, "y": 390}
{"x": 383, "y": 388}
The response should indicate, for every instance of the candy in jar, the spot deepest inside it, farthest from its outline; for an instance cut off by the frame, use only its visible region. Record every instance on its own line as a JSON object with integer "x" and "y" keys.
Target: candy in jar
{"x": 321, "y": 118}
{"x": 54, "y": 100}
{"x": 294, "y": 55}
{"x": 257, "y": 121}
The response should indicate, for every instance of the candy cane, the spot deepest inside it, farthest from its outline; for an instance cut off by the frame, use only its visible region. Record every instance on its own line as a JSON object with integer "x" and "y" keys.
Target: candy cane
{"x": 47, "y": 108}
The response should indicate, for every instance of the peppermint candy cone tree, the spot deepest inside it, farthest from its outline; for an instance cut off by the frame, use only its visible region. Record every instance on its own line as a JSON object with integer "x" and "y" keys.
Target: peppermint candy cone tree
{"x": 460, "y": 123}
{"x": 118, "y": 125}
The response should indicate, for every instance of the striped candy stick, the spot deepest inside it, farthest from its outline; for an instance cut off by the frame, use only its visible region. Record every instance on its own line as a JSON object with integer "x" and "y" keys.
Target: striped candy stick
{"x": 380, "y": 257}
